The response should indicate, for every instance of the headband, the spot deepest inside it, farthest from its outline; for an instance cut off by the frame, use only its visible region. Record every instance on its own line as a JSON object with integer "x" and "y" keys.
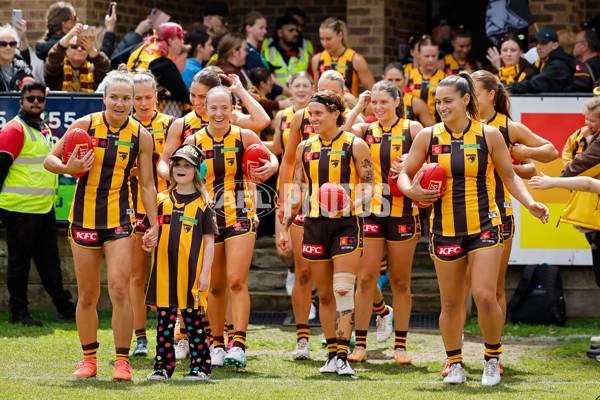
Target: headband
{"x": 323, "y": 101}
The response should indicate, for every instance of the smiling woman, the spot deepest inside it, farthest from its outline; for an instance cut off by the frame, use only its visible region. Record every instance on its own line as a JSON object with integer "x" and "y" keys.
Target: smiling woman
{"x": 14, "y": 68}
{"x": 101, "y": 217}
{"x": 224, "y": 145}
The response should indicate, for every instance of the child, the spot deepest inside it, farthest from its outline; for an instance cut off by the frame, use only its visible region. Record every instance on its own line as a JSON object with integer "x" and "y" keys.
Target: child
{"x": 181, "y": 264}
{"x": 580, "y": 183}
{"x": 582, "y": 137}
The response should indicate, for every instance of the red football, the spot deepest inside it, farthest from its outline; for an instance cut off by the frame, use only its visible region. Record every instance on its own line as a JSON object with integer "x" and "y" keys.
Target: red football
{"x": 393, "y": 184}
{"x": 251, "y": 158}
{"x": 433, "y": 179}
{"x": 78, "y": 141}
{"x": 332, "y": 197}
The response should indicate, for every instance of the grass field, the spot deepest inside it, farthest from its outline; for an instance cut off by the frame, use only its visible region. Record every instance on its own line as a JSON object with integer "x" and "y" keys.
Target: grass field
{"x": 540, "y": 363}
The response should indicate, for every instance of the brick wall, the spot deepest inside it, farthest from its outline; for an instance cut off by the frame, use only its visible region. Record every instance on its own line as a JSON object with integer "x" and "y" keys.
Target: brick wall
{"x": 562, "y": 14}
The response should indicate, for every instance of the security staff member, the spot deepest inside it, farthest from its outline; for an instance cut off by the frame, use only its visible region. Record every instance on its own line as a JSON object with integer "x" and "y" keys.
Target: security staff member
{"x": 27, "y": 195}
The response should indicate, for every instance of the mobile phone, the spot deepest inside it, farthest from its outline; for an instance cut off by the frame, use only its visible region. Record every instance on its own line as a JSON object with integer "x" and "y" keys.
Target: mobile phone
{"x": 17, "y": 16}
{"x": 111, "y": 8}
{"x": 88, "y": 31}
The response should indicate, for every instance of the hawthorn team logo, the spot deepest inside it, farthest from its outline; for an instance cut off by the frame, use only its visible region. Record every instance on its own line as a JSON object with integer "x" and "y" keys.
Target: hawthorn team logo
{"x": 187, "y": 228}
{"x": 471, "y": 157}
{"x": 122, "y": 155}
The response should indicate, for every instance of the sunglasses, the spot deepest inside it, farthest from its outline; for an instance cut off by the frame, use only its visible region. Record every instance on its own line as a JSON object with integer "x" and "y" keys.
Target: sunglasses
{"x": 12, "y": 44}
{"x": 76, "y": 47}
{"x": 73, "y": 18}
{"x": 31, "y": 99}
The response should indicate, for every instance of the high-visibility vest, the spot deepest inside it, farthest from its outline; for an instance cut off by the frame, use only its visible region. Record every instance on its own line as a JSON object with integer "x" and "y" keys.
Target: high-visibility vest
{"x": 29, "y": 187}
{"x": 284, "y": 70}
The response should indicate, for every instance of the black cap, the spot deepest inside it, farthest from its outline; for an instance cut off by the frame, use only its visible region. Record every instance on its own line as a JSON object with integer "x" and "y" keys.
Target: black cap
{"x": 439, "y": 20}
{"x": 546, "y": 35}
{"x": 190, "y": 153}
{"x": 217, "y": 8}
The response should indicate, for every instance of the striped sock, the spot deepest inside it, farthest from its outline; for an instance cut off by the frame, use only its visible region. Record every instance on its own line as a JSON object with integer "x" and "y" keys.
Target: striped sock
{"x": 239, "y": 339}
{"x": 313, "y": 297}
{"x": 492, "y": 351}
{"x": 342, "y": 348}
{"x": 207, "y": 329}
{"x": 140, "y": 333}
{"x": 230, "y": 328}
{"x": 454, "y": 356}
{"x": 90, "y": 350}
{"x": 302, "y": 332}
{"x": 381, "y": 309}
{"x": 361, "y": 338}
{"x": 225, "y": 329}
{"x": 383, "y": 266}
{"x": 331, "y": 347}
{"x": 122, "y": 353}
{"x": 218, "y": 341}
{"x": 183, "y": 335}
{"x": 400, "y": 342}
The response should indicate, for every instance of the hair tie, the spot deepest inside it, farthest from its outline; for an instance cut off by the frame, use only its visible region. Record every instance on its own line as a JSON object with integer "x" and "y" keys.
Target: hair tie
{"x": 323, "y": 101}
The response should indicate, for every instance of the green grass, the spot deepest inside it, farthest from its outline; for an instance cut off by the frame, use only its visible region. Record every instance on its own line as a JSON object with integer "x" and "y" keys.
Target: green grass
{"x": 541, "y": 363}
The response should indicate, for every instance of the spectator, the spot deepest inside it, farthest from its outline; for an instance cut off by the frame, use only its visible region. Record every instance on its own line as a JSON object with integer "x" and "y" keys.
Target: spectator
{"x": 12, "y": 67}
{"x": 61, "y": 18}
{"x": 300, "y": 16}
{"x": 283, "y": 53}
{"x": 201, "y": 49}
{"x": 441, "y": 34}
{"x": 255, "y": 29}
{"x": 566, "y": 40}
{"x": 131, "y": 42}
{"x": 155, "y": 55}
{"x": 554, "y": 67}
{"x": 108, "y": 35}
{"x": 262, "y": 82}
{"x": 461, "y": 58}
{"x": 587, "y": 70}
{"x": 216, "y": 33}
{"x": 509, "y": 62}
{"x": 67, "y": 67}
{"x": 27, "y": 194}
{"x": 29, "y": 56}
{"x": 232, "y": 57}
{"x": 215, "y": 14}
{"x": 180, "y": 59}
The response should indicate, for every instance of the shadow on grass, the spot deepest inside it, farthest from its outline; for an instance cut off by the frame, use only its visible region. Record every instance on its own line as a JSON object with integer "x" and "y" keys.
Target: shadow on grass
{"x": 16, "y": 330}
{"x": 476, "y": 388}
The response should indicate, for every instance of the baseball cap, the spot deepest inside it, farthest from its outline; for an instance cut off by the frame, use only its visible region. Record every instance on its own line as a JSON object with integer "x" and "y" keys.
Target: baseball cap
{"x": 546, "y": 35}
{"x": 189, "y": 152}
{"x": 217, "y": 8}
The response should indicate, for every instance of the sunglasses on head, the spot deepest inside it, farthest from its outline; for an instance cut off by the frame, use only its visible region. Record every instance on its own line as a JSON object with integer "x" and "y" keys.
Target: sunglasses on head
{"x": 76, "y": 47}
{"x": 12, "y": 44}
{"x": 31, "y": 99}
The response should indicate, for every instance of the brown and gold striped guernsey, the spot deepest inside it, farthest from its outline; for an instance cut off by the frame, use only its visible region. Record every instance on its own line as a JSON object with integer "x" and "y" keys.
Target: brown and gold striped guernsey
{"x": 500, "y": 121}
{"x": 102, "y": 199}
{"x": 385, "y": 146}
{"x": 306, "y": 129}
{"x": 452, "y": 66}
{"x": 424, "y": 87}
{"x": 225, "y": 178}
{"x": 467, "y": 206}
{"x": 329, "y": 162}
{"x": 177, "y": 258}
{"x": 192, "y": 123}
{"x": 158, "y": 127}
{"x": 343, "y": 65}
{"x": 409, "y": 112}
{"x": 284, "y": 127}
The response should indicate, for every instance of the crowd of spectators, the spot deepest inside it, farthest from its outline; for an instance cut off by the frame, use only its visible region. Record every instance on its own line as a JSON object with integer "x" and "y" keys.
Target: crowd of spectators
{"x": 67, "y": 58}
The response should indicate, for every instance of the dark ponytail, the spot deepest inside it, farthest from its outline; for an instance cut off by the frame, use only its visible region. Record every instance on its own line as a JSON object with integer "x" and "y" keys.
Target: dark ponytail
{"x": 491, "y": 82}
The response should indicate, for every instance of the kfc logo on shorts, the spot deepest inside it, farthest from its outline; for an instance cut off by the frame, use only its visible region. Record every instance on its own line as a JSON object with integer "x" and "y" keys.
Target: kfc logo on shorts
{"x": 139, "y": 223}
{"x": 313, "y": 250}
{"x": 369, "y": 228}
{"x": 449, "y": 250}
{"x": 347, "y": 241}
{"x": 299, "y": 218}
{"x": 86, "y": 236}
{"x": 485, "y": 235}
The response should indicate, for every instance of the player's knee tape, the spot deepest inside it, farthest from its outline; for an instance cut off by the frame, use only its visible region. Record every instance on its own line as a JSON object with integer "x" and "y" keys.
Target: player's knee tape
{"x": 343, "y": 282}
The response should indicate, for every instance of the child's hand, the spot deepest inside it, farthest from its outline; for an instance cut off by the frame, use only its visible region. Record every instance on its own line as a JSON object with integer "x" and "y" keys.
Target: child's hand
{"x": 202, "y": 284}
{"x": 541, "y": 182}
{"x": 150, "y": 239}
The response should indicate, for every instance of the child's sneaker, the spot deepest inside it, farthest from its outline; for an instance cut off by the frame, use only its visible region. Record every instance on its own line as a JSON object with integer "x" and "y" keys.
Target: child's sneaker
{"x": 86, "y": 369}
{"x": 158, "y": 375}
{"x": 141, "y": 349}
{"x": 196, "y": 376}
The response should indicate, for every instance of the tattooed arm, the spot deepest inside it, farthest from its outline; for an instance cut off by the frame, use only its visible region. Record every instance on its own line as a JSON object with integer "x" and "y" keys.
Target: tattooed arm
{"x": 363, "y": 163}
{"x": 293, "y": 200}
